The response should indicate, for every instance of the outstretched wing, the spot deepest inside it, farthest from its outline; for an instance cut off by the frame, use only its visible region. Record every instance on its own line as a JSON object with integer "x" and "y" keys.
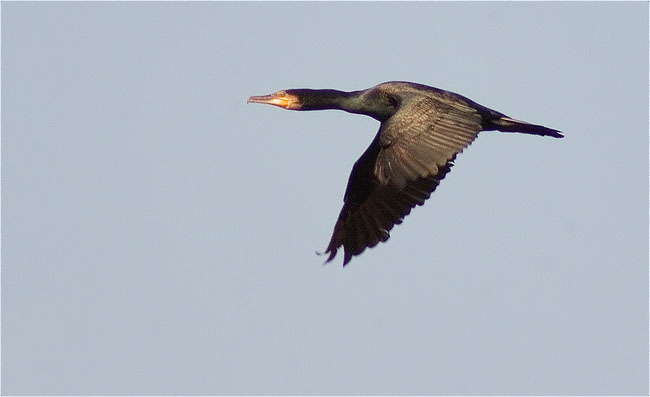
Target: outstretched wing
{"x": 413, "y": 151}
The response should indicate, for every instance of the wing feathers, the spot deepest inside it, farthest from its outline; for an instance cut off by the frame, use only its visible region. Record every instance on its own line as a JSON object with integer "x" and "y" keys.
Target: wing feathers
{"x": 371, "y": 221}
{"x": 408, "y": 158}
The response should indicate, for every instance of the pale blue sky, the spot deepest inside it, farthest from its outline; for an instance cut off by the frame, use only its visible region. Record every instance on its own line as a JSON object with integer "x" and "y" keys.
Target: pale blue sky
{"x": 158, "y": 234}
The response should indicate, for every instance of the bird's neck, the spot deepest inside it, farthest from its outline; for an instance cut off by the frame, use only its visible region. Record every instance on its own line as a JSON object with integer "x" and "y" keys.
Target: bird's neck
{"x": 352, "y": 102}
{"x": 325, "y": 99}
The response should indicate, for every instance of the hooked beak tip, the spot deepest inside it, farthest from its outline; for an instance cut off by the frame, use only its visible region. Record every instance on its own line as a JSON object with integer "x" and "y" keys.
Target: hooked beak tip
{"x": 270, "y": 99}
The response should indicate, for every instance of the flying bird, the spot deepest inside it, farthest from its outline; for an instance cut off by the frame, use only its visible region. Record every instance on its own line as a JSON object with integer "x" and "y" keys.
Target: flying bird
{"x": 422, "y": 130}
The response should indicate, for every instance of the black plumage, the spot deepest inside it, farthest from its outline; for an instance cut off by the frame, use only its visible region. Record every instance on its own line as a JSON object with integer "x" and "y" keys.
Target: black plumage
{"x": 422, "y": 130}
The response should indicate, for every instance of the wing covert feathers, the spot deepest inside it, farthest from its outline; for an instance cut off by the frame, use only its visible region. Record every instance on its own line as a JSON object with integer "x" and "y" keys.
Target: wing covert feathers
{"x": 424, "y": 135}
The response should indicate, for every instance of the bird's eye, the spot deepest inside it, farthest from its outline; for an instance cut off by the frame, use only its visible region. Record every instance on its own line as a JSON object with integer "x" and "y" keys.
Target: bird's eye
{"x": 394, "y": 102}
{"x": 280, "y": 94}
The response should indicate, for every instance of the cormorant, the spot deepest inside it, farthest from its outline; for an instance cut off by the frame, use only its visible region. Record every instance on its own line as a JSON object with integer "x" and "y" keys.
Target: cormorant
{"x": 422, "y": 130}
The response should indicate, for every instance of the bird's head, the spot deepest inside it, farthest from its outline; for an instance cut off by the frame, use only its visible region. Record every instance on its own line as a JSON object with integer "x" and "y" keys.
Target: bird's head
{"x": 284, "y": 99}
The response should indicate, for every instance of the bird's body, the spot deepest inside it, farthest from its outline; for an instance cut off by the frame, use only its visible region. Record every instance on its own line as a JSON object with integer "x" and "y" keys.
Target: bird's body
{"x": 422, "y": 130}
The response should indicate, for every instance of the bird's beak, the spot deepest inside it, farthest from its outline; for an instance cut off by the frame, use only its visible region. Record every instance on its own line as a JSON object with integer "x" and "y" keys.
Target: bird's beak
{"x": 280, "y": 99}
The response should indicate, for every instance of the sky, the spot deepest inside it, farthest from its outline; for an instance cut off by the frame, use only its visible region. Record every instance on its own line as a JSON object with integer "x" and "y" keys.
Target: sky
{"x": 159, "y": 234}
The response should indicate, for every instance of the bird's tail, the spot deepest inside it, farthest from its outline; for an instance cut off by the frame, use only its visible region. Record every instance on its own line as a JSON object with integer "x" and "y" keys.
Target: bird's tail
{"x": 507, "y": 124}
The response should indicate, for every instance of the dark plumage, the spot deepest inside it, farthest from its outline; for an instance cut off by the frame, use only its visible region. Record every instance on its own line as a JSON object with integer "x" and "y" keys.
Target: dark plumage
{"x": 422, "y": 130}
